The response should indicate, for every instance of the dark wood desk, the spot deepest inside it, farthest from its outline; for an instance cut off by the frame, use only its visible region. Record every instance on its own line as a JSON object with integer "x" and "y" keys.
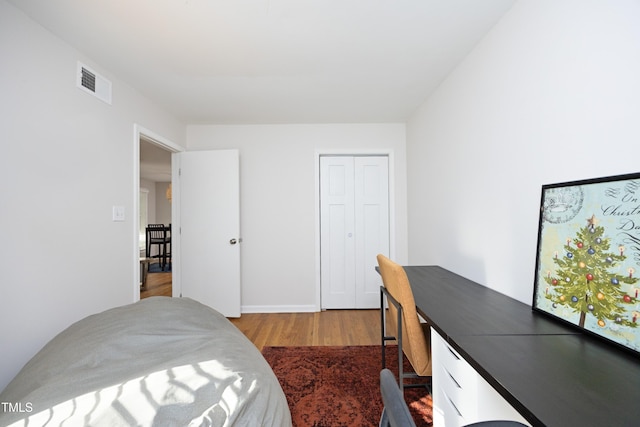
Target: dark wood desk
{"x": 552, "y": 374}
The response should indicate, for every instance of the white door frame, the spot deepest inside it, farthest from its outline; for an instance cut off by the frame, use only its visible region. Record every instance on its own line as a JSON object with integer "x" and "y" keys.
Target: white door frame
{"x": 171, "y": 146}
{"x": 392, "y": 217}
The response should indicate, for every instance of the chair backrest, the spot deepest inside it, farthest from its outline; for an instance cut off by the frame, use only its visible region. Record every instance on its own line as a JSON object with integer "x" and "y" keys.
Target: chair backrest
{"x": 156, "y": 231}
{"x": 414, "y": 343}
{"x": 396, "y": 412}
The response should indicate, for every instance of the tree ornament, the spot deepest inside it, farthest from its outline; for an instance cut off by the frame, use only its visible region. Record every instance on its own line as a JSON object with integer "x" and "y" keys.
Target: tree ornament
{"x": 582, "y": 265}
{"x": 618, "y": 319}
{"x": 569, "y": 255}
{"x": 589, "y": 277}
{"x": 598, "y": 240}
{"x": 590, "y": 307}
{"x": 626, "y": 299}
{"x": 614, "y": 280}
{"x": 580, "y": 245}
{"x": 554, "y": 282}
{"x": 591, "y": 251}
{"x": 609, "y": 260}
{"x": 600, "y": 296}
{"x": 601, "y": 323}
{"x": 574, "y": 299}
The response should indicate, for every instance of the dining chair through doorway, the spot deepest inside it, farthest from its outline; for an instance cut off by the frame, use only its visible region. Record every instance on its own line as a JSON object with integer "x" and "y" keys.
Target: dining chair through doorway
{"x": 160, "y": 236}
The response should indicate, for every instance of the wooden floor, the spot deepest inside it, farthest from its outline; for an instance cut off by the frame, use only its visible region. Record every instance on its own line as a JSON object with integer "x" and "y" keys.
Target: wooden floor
{"x": 158, "y": 284}
{"x": 331, "y": 327}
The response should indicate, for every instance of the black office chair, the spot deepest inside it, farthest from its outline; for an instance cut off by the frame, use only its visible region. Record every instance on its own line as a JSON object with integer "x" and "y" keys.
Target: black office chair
{"x": 158, "y": 234}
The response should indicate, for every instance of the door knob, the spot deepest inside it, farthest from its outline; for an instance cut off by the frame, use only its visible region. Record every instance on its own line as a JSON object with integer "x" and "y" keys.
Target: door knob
{"x": 233, "y": 241}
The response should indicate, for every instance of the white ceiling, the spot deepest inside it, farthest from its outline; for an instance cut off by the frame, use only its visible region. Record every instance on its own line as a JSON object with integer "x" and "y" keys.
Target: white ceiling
{"x": 274, "y": 61}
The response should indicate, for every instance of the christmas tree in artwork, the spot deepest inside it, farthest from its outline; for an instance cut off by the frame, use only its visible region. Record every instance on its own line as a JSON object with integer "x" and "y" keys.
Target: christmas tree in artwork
{"x": 585, "y": 281}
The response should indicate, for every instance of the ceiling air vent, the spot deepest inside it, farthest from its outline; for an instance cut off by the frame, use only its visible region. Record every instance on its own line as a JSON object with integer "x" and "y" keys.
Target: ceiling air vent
{"x": 93, "y": 83}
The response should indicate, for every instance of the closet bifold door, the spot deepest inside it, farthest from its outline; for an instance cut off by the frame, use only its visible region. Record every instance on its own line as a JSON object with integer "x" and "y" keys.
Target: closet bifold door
{"x": 354, "y": 228}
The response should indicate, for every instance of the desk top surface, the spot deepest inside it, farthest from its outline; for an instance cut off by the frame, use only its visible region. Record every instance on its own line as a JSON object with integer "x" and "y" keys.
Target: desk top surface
{"x": 553, "y": 374}
{"x": 479, "y": 310}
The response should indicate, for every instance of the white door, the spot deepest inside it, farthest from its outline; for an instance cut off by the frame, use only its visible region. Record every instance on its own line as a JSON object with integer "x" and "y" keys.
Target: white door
{"x": 337, "y": 226}
{"x": 354, "y": 228}
{"x": 210, "y": 228}
{"x": 372, "y": 226}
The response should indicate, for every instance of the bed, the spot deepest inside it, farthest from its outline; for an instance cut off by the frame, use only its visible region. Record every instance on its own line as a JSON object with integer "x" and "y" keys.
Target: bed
{"x": 157, "y": 362}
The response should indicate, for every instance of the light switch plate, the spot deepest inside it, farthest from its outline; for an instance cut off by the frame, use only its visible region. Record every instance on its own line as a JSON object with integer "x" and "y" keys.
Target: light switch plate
{"x": 118, "y": 213}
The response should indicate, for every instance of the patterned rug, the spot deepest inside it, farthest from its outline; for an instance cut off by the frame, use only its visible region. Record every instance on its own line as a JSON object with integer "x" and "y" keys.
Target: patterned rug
{"x": 339, "y": 386}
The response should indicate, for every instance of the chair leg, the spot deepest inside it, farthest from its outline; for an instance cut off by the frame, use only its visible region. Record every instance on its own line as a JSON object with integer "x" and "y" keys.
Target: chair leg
{"x": 397, "y": 338}
{"x": 164, "y": 255}
{"x": 400, "y": 355}
{"x": 401, "y": 374}
{"x": 382, "y": 328}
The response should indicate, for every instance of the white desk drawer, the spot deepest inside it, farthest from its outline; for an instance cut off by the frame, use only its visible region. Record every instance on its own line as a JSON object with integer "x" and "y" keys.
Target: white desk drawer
{"x": 460, "y": 395}
{"x": 449, "y": 411}
{"x": 456, "y": 367}
{"x": 455, "y": 384}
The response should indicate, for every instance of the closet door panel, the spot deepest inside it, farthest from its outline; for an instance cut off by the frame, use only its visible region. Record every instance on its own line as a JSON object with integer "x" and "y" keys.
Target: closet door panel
{"x": 354, "y": 228}
{"x": 336, "y": 232}
{"x": 371, "y": 175}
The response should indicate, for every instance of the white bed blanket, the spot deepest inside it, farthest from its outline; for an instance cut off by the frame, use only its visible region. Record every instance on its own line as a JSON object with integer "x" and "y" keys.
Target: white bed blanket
{"x": 158, "y": 362}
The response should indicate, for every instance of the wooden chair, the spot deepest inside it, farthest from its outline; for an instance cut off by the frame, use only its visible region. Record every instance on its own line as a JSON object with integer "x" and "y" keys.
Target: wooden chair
{"x": 412, "y": 336}
{"x": 159, "y": 235}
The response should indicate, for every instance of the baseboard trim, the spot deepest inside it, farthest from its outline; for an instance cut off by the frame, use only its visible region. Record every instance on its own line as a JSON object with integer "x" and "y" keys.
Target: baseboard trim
{"x": 278, "y": 309}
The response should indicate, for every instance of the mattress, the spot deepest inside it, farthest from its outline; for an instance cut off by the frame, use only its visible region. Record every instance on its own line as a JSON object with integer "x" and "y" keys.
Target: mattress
{"x": 157, "y": 362}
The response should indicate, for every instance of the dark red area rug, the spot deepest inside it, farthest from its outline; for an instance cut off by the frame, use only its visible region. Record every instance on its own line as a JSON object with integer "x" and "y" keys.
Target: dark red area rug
{"x": 340, "y": 386}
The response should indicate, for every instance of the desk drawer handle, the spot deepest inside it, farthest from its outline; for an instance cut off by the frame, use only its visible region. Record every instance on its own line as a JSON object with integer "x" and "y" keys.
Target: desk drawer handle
{"x": 452, "y": 352}
{"x": 453, "y": 379}
{"x": 453, "y": 405}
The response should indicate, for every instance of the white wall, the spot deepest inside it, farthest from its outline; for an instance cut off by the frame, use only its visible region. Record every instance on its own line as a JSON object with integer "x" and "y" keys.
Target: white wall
{"x": 67, "y": 158}
{"x": 278, "y": 210}
{"x": 162, "y": 204}
{"x": 552, "y": 94}
{"x": 151, "y": 186}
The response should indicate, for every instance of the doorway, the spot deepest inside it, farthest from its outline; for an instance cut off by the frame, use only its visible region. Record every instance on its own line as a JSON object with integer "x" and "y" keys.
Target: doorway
{"x": 155, "y": 210}
{"x": 354, "y": 224}
{"x": 152, "y": 204}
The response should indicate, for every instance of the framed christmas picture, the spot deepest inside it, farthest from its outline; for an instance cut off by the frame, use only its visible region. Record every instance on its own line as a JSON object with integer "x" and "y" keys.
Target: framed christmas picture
{"x": 588, "y": 258}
